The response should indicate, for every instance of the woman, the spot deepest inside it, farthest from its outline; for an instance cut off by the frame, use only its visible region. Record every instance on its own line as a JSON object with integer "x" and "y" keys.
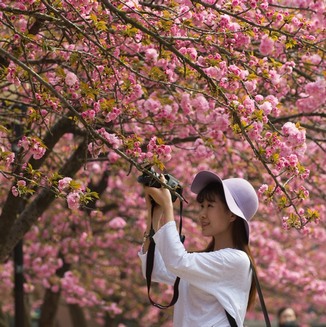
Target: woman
{"x": 220, "y": 278}
{"x": 287, "y": 317}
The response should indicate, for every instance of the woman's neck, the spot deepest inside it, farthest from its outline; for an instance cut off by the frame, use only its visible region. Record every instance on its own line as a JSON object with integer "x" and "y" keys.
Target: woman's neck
{"x": 223, "y": 243}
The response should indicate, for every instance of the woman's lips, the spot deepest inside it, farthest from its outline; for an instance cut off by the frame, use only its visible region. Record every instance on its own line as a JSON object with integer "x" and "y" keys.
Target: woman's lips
{"x": 203, "y": 225}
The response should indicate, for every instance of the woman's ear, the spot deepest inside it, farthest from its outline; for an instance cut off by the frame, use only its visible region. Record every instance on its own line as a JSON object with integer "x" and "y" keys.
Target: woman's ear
{"x": 233, "y": 217}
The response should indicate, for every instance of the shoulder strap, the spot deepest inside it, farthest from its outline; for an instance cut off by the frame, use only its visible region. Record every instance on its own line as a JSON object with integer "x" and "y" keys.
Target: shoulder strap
{"x": 261, "y": 298}
{"x": 150, "y": 264}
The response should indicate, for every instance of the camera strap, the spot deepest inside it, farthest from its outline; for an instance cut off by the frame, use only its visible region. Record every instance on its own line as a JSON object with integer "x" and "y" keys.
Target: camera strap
{"x": 150, "y": 263}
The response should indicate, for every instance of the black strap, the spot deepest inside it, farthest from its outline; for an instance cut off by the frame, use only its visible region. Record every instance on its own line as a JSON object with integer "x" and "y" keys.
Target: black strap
{"x": 150, "y": 264}
{"x": 261, "y": 298}
{"x": 231, "y": 320}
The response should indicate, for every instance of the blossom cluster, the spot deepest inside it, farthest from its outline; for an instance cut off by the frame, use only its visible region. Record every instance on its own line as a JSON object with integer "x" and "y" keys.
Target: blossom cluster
{"x": 33, "y": 146}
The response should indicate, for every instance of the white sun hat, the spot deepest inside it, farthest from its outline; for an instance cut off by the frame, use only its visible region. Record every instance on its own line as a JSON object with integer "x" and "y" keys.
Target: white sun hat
{"x": 240, "y": 196}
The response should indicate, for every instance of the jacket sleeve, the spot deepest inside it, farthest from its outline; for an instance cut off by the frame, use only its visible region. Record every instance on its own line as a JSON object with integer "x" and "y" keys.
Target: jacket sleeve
{"x": 160, "y": 274}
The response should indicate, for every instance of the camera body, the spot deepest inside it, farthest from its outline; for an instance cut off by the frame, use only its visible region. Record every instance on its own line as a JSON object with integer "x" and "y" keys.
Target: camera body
{"x": 148, "y": 180}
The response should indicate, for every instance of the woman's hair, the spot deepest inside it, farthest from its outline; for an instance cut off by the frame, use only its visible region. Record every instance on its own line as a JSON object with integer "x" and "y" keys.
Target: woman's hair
{"x": 282, "y": 309}
{"x": 239, "y": 235}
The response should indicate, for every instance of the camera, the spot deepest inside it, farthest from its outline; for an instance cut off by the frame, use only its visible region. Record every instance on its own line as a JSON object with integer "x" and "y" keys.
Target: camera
{"x": 149, "y": 180}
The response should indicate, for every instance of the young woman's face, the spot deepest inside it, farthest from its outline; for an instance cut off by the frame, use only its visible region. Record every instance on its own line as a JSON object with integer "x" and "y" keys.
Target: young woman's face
{"x": 288, "y": 315}
{"x": 215, "y": 218}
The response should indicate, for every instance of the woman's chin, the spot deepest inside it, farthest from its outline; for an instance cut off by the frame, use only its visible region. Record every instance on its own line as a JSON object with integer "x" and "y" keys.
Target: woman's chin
{"x": 205, "y": 232}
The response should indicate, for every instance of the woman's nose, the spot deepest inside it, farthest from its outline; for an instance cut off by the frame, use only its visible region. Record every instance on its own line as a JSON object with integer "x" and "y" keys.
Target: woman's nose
{"x": 202, "y": 213}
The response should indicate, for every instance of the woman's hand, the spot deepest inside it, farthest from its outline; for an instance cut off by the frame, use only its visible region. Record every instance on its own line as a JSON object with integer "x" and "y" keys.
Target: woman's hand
{"x": 162, "y": 200}
{"x": 154, "y": 212}
{"x": 159, "y": 209}
{"x": 161, "y": 196}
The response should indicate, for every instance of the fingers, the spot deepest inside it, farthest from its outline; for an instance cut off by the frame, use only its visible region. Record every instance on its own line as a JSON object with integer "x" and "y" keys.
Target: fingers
{"x": 162, "y": 178}
{"x": 161, "y": 196}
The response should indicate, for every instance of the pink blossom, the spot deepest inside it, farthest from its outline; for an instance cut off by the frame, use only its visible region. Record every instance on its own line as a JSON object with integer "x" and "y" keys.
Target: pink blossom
{"x": 55, "y": 288}
{"x": 151, "y": 55}
{"x": 73, "y": 200}
{"x": 117, "y": 223}
{"x": 185, "y": 103}
{"x": 114, "y": 309}
{"x": 89, "y": 115}
{"x": 251, "y": 85}
{"x": 113, "y": 157}
{"x": 21, "y": 183}
{"x": 212, "y": 72}
{"x": 242, "y": 40}
{"x": 192, "y": 52}
{"x": 293, "y": 160}
{"x": 25, "y": 143}
{"x": 38, "y": 150}
{"x": 199, "y": 103}
{"x": 263, "y": 188}
{"x": 273, "y": 100}
{"x": 201, "y": 149}
{"x": 221, "y": 121}
{"x": 28, "y": 288}
{"x": 152, "y": 144}
{"x": 114, "y": 141}
{"x": 259, "y": 97}
{"x": 238, "y": 72}
{"x": 314, "y": 59}
{"x": 256, "y": 130}
{"x": 112, "y": 115}
{"x": 266, "y": 45}
{"x": 64, "y": 183}
{"x": 264, "y": 5}
{"x": 71, "y": 79}
{"x": 10, "y": 158}
{"x": 225, "y": 20}
{"x": 249, "y": 105}
{"x": 152, "y": 105}
{"x": 266, "y": 107}
{"x": 295, "y": 136}
{"x": 317, "y": 88}
{"x": 164, "y": 151}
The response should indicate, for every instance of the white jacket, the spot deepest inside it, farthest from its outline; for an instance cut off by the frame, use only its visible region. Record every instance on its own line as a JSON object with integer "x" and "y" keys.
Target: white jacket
{"x": 210, "y": 281}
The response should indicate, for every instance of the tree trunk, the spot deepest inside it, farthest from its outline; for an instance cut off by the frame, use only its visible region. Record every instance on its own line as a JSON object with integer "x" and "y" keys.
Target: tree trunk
{"x": 3, "y": 319}
{"x": 77, "y": 316}
{"x": 49, "y": 308}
